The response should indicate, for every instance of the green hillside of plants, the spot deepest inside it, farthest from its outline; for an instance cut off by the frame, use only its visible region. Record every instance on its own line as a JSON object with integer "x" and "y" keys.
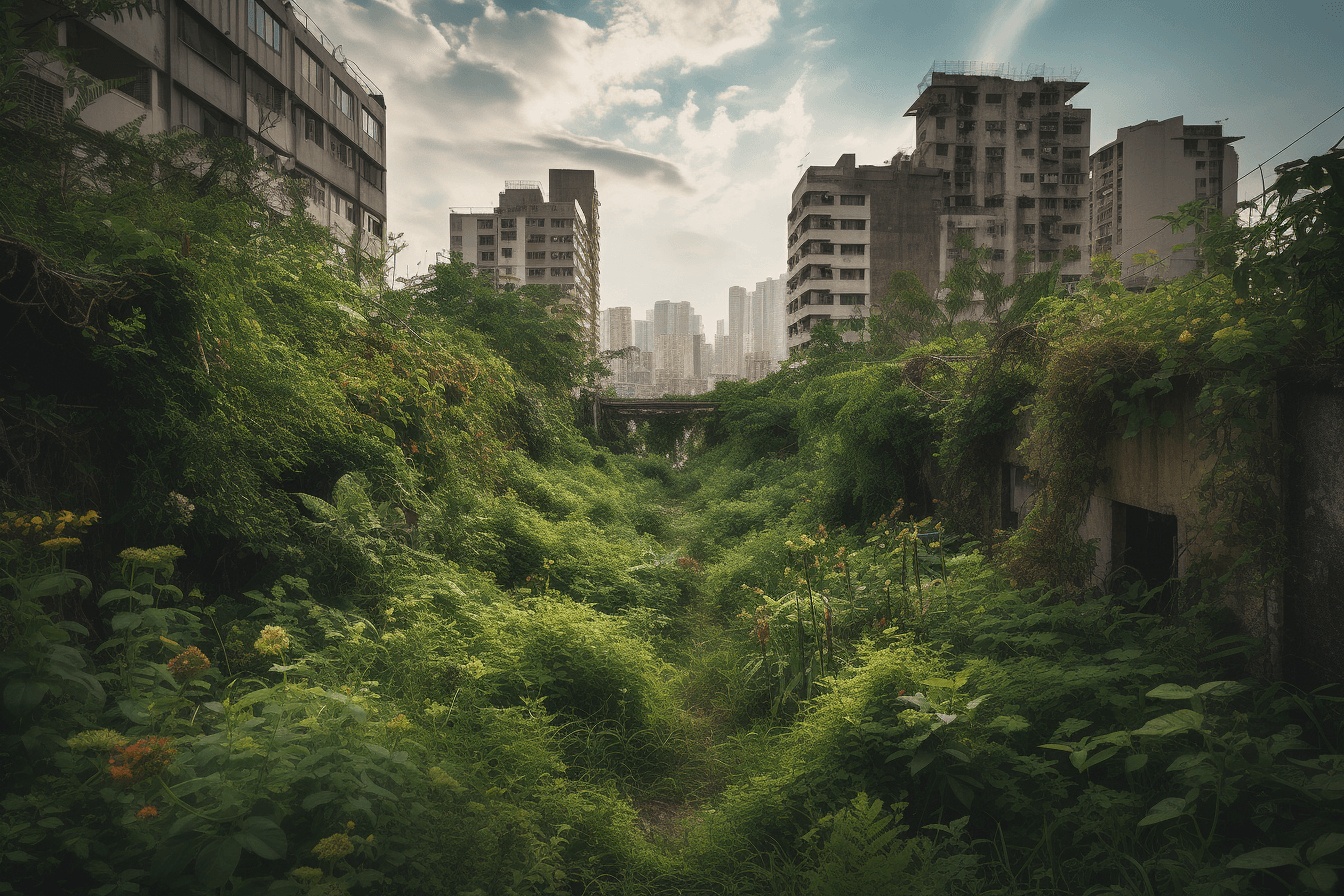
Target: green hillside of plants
{"x": 313, "y": 586}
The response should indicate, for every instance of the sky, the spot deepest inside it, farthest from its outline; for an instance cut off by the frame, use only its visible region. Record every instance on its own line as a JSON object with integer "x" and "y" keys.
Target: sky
{"x": 697, "y": 114}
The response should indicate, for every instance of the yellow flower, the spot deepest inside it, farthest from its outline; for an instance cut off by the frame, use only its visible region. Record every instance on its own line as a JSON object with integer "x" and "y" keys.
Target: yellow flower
{"x": 307, "y": 875}
{"x": 337, "y": 846}
{"x": 1185, "y": 336}
{"x": 399, "y": 724}
{"x": 103, "y": 740}
{"x": 274, "y": 640}
{"x": 56, "y": 544}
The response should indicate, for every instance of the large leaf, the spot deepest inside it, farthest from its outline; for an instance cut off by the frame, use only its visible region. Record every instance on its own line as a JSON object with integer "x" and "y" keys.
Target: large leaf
{"x": 1171, "y": 807}
{"x": 263, "y": 837}
{"x": 1172, "y": 723}
{"x": 1269, "y": 857}
{"x": 217, "y": 861}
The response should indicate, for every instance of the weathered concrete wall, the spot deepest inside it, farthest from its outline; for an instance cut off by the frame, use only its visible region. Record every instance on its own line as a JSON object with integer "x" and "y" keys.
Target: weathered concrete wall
{"x": 1313, "y": 418}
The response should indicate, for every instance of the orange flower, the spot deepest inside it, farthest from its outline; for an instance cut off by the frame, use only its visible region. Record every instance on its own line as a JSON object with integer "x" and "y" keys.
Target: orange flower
{"x": 188, "y": 664}
{"x": 143, "y": 759}
{"x": 147, "y": 812}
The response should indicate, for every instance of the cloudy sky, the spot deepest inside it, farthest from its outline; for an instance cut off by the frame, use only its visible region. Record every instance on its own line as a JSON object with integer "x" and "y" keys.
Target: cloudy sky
{"x": 696, "y": 114}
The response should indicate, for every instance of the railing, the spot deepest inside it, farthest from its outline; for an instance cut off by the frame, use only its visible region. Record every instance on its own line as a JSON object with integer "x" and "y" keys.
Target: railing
{"x": 996, "y": 70}
{"x": 335, "y": 50}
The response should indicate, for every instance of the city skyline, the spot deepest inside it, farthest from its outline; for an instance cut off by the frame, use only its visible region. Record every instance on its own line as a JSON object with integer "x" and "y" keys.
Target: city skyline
{"x": 696, "y": 115}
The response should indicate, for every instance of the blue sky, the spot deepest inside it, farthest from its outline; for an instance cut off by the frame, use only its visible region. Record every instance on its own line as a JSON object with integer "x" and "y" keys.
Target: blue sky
{"x": 697, "y": 113}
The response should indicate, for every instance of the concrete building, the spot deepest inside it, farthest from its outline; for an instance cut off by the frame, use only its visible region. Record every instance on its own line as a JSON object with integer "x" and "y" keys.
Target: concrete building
{"x": 850, "y": 228}
{"x": 527, "y": 239}
{"x": 1151, "y": 169}
{"x": 256, "y": 70}
{"x": 1011, "y": 151}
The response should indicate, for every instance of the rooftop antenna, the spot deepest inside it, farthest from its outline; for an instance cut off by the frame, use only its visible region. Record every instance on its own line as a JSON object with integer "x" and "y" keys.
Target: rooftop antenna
{"x": 803, "y": 160}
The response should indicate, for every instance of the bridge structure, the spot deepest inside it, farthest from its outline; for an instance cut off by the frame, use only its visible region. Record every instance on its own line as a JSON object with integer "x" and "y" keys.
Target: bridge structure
{"x": 645, "y": 408}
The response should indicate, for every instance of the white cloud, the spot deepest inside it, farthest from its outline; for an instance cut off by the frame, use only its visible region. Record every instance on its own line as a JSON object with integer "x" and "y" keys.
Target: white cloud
{"x": 732, "y": 92}
{"x": 646, "y": 130}
{"x": 1002, "y": 31}
{"x": 813, "y": 41}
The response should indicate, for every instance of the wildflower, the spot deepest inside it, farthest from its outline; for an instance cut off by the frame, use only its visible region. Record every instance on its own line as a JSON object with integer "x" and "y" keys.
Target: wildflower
{"x": 274, "y": 640}
{"x": 188, "y": 664}
{"x": 143, "y": 759}
{"x": 337, "y": 846}
{"x": 160, "y": 557}
{"x": 103, "y": 740}
{"x": 57, "y": 544}
{"x": 1185, "y": 336}
{"x": 399, "y": 724}
{"x": 182, "y": 504}
{"x": 147, "y": 812}
{"x": 307, "y": 875}
{"x": 89, "y": 518}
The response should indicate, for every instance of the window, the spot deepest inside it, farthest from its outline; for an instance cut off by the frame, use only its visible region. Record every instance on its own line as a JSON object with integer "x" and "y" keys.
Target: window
{"x": 343, "y": 207}
{"x": 1026, "y": 202}
{"x": 940, "y": 122}
{"x": 343, "y": 151}
{"x": 310, "y": 69}
{"x": 371, "y": 125}
{"x": 1028, "y": 153}
{"x": 998, "y": 255}
{"x": 536, "y": 272}
{"x": 317, "y": 191}
{"x": 562, "y": 272}
{"x": 966, "y": 125}
{"x": 263, "y": 24}
{"x": 853, "y": 224}
{"x": 373, "y": 225}
{"x": 508, "y": 223}
{"x": 536, "y": 237}
{"x": 562, "y": 222}
{"x": 485, "y": 239}
{"x": 265, "y": 92}
{"x": 1074, "y": 179}
{"x": 505, "y": 253}
{"x": 312, "y": 128}
{"x": 856, "y": 249}
{"x": 852, "y": 298}
{"x": 993, "y": 202}
{"x": 487, "y": 256}
{"x": 565, "y": 238}
{"x": 508, "y": 234}
{"x": 1027, "y": 99}
{"x": 1029, "y": 229}
{"x": 993, "y": 153}
{"x": 1049, "y": 177}
{"x": 963, "y": 200}
{"x": 853, "y": 200}
{"x": 562, "y": 256}
{"x": 201, "y": 37}
{"x": 1049, "y": 254}
{"x": 853, "y": 274}
{"x": 536, "y": 256}
{"x": 997, "y": 127}
{"x": 969, "y": 99}
{"x": 1072, "y": 154}
{"x": 1073, "y": 205}
{"x": 536, "y": 222}
{"x": 1071, "y": 228}
{"x": 1024, "y": 127}
{"x": 373, "y": 175}
{"x": 1073, "y": 127}
{"x": 341, "y": 98}
{"x": 1049, "y": 99}
{"x": 940, "y": 149}
{"x": 993, "y": 99}
{"x": 485, "y": 223}
{"x": 1050, "y": 204}
{"x": 1028, "y": 177}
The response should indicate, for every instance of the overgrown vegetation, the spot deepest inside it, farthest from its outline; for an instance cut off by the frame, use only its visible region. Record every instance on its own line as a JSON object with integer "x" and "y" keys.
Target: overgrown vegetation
{"x": 311, "y": 585}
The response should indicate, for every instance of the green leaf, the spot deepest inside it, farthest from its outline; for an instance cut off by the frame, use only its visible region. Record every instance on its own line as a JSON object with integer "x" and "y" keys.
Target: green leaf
{"x": 320, "y": 798}
{"x": 1319, "y": 877}
{"x": 1135, "y": 761}
{"x": 262, "y": 837}
{"x": 217, "y": 861}
{"x": 22, "y": 696}
{"x": 1171, "y": 692}
{"x": 1269, "y": 857}
{"x": 1172, "y": 723}
{"x": 1171, "y": 807}
{"x": 1325, "y": 845}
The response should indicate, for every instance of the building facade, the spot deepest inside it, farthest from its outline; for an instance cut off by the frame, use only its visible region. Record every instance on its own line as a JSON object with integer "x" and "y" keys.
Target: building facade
{"x": 1012, "y": 154}
{"x": 257, "y": 70}
{"x": 527, "y": 239}
{"x": 850, "y": 228}
{"x": 1151, "y": 169}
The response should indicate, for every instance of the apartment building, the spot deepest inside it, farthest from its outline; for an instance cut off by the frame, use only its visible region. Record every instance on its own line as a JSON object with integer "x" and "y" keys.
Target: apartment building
{"x": 256, "y": 70}
{"x": 527, "y": 239}
{"x": 850, "y": 228}
{"x": 1151, "y": 169}
{"x": 1012, "y": 154}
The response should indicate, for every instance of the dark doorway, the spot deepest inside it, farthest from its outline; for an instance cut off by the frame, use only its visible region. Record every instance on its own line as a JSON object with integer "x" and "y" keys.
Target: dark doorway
{"x": 1143, "y": 549}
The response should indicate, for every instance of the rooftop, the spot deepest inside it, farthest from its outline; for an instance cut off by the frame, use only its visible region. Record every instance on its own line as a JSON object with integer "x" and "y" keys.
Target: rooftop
{"x": 997, "y": 70}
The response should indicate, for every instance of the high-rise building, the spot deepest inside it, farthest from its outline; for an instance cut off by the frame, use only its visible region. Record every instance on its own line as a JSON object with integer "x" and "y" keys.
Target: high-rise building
{"x": 1151, "y": 169}
{"x": 1012, "y": 153}
{"x": 256, "y": 70}
{"x": 850, "y": 228}
{"x": 526, "y": 239}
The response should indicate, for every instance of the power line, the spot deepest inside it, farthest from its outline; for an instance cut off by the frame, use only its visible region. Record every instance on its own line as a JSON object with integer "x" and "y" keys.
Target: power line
{"x": 1259, "y": 168}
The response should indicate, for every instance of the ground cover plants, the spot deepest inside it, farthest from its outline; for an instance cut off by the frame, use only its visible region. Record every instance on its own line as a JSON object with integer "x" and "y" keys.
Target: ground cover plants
{"x": 311, "y": 584}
